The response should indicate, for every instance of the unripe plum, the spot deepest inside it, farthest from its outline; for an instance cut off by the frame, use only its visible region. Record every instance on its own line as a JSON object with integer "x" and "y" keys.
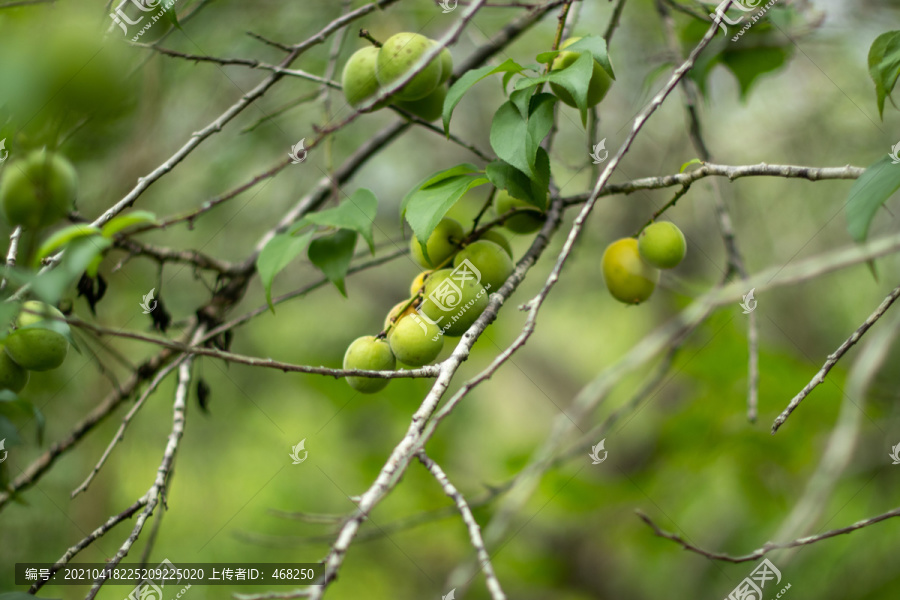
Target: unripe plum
{"x": 600, "y": 79}
{"x": 490, "y": 259}
{"x": 395, "y": 59}
{"x": 358, "y": 80}
{"x": 628, "y": 277}
{"x": 521, "y": 222}
{"x": 415, "y": 341}
{"x": 12, "y": 376}
{"x": 38, "y": 190}
{"x": 429, "y": 108}
{"x": 492, "y": 235}
{"x": 453, "y": 303}
{"x": 33, "y": 347}
{"x": 442, "y": 244}
{"x": 446, "y": 65}
{"x": 370, "y": 354}
{"x": 662, "y": 245}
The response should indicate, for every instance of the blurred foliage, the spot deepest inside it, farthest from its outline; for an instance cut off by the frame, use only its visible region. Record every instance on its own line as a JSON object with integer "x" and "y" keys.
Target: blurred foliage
{"x": 687, "y": 456}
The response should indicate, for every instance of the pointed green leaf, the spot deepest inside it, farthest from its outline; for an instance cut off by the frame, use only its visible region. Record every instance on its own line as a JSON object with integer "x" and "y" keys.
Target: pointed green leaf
{"x": 868, "y": 194}
{"x": 426, "y": 206}
{"x": 276, "y": 255}
{"x": 122, "y": 222}
{"x": 594, "y": 45}
{"x": 884, "y": 65}
{"x": 519, "y": 185}
{"x": 63, "y": 237}
{"x": 540, "y": 121}
{"x": 465, "y": 83}
{"x": 332, "y": 255}
{"x": 356, "y": 213}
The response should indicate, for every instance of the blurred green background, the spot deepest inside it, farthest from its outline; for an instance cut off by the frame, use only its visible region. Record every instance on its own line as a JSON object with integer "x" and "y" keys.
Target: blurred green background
{"x": 687, "y": 457}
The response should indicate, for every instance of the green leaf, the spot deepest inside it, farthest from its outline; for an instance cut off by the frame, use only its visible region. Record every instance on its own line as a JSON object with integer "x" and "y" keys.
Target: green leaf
{"x": 748, "y": 64}
{"x": 122, "y": 222}
{"x": 540, "y": 121}
{"x": 869, "y": 192}
{"x": 276, "y": 255}
{"x": 693, "y": 161}
{"x": 433, "y": 180}
{"x": 470, "y": 78}
{"x": 508, "y": 132}
{"x": 575, "y": 78}
{"x": 332, "y": 255}
{"x": 519, "y": 185}
{"x": 356, "y": 213}
{"x": 426, "y": 206}
{"x": 63, "y": 237}
{"x": 884, "y": 66}
{"x": 51, "y": 285}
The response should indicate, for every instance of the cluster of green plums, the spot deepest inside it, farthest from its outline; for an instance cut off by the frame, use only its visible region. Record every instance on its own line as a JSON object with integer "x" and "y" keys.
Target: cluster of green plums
{"x": 415, "y": 328}
{"x": 370, "y": 69}
{"x": 38, "y": 190}
{"x": 631, "y": 266}
{"x": 32, "y": 346}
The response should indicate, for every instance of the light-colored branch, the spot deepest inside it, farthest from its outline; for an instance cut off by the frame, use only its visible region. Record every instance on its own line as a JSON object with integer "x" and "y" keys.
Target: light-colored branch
{"x": 614, "y": 20}
{"x": 13, "y": 252}
{"x": 731, "y": 172}
{"x": 834, "y": 357}
{"x": 157, "y": 491}
{"x": 768, "y": 546}
{"x": 839, "y": 449}
{"x": 493, "y": 584}
{"x": 120, "y": 434}
{"x": 88, "y": 540}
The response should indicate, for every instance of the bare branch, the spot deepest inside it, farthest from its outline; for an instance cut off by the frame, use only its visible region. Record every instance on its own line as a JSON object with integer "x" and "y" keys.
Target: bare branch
{"x": 158, "y": 489}
{"x": 768, "y": 546}
{"x": 88, "y": 540}
{"x": 468, "y": 518}
{"x": 834, "y": 357}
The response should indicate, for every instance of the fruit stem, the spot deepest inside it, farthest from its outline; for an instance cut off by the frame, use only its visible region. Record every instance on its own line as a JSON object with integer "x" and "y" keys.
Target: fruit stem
{"x": 684, "y": 190}
{"x": 364, "y": 33}
{"x": 406, "y": 306}
{"x": 483, "y": 210}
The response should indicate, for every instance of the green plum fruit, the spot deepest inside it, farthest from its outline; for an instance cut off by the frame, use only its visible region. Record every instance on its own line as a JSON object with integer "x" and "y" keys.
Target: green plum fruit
{"x": 628, "y": 277}
{"x": 446, "y": 66}
{"x": 442, "y": 244}
{"x": 371, "y": 354}
{"x": 12, "y": 376}
{"x": 430, "y": 108}
{"x": 662, "y": 245}
{"x": 522, "y": 222}
{"x": 33, "y": 347}
{"x": 490, "y": 259}
{"x": 38, "y": 190}
{"x": 415, "y": 341}
{"x": 395, "y": 59}
{"x": 454, "y": 300}
{"x": 600, "y": 79}
{"x": 498, "y": 238}
{"x": 358, "y": 80}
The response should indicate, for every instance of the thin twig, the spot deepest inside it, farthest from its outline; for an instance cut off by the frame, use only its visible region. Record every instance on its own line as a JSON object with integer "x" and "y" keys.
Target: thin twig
{"x": 493, "y": 584}
{"x": 768, "y": 546}
{"x": 834, "y": 357}
{"x": 120, "y": 434}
